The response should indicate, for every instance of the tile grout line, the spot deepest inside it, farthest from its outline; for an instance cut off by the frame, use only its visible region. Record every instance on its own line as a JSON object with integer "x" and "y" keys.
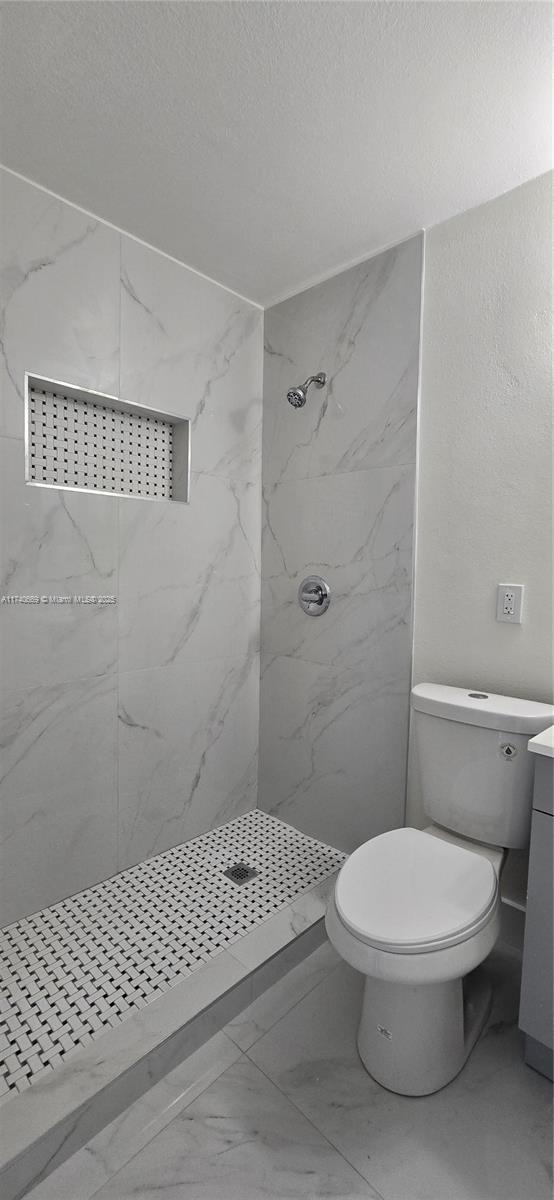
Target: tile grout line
{"x": 288, "y": 1011}
{"x": 242, "y": 1056}
{"x": 165, "y": 1127}
{"x": 260, "y": 482}
{"x": 269, "y": 485}
{"x": 118, "y": 610}
{"x": 133, "y": 237}
{"x": 376, "y": 1194}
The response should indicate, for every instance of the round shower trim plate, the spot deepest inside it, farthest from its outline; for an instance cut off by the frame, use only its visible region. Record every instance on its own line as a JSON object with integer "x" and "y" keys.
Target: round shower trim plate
{"x": 314, "y": 595}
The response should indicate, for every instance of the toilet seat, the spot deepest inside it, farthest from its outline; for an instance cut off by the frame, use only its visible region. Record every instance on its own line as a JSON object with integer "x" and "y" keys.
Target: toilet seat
{"x": 407, "y": 892}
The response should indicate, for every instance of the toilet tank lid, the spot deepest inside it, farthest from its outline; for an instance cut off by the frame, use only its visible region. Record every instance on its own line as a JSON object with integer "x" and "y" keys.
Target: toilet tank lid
{"x": 472, "y": 706}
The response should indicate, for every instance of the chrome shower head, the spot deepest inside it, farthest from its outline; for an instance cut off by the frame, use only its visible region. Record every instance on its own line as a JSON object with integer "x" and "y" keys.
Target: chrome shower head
{"x": 297, "y": 396}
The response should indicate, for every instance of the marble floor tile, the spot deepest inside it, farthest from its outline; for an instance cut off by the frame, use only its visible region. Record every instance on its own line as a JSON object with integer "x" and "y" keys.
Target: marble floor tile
{"x": 240, "y": 1140}
{"x": 263, "y": 1013}
{"x": 81, "y": 1176}
{"x": 487, "y": 1136}
{"x": 297, "y": 1116}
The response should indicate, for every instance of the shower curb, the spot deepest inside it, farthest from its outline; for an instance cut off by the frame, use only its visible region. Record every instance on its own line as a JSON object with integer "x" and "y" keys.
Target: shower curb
{"x": 58, "y": 1115}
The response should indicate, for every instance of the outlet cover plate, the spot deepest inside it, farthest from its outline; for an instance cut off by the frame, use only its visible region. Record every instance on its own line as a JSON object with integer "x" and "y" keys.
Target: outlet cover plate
{"x": 509, "y": 602}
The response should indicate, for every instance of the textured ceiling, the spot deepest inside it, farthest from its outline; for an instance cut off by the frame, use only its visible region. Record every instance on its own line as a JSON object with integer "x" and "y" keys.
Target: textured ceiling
{"x": 268, "y": 144}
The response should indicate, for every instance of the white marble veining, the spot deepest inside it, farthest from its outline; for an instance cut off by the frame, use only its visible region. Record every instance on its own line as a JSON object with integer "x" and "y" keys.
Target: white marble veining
{"x": 58, "y": 791}
{"x": 64, "y": 1108}
{"x": 59, "y": 1114}
{"x": 338, "y": 501}
{"x": 487, "y": 1136}
{"x": 55, "y": 543}
{"x": 289, "y": 923}
{"x": 59, "y": 318}
{"x": 240, "y": 1140}
{"x": 362, "y": 329}
{"x": 188, "y": 751}
{"x": 267, "y": 1009}
{"x": 189, "y": 576}
{"x": 86, "y": 1171}
{"x": 356, "y": 530}
{"x": 332, "y": 748}
{"x": 192, "y": 348}
{"x": 60, "y": 297}
{"x": 88, "y": 306}
{"x": 334, "y": 690}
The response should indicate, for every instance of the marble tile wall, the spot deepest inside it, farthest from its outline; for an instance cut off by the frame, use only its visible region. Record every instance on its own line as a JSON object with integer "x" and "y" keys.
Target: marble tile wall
{"x": 126, "y": 729}
{"x": 338, "y": 500}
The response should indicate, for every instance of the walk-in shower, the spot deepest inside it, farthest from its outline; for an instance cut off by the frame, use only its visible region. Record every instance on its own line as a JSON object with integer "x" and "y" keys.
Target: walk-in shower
{"x": 297, "y": 396}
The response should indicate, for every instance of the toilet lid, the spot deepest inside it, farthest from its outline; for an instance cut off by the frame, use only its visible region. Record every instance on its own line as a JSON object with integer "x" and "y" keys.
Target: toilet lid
{"x": 406, "y": 890}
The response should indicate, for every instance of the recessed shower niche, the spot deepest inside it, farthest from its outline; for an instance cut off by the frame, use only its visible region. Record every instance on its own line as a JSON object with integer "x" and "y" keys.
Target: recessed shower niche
{"x": 87, "y": 441}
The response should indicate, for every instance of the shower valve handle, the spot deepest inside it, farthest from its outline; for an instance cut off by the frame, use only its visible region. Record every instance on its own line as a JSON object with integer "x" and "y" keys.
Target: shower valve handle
{"x": 314, "y": 596}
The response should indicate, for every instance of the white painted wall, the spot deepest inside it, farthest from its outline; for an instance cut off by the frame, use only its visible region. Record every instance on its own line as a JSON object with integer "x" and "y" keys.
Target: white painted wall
{"x": 485, "y": 457}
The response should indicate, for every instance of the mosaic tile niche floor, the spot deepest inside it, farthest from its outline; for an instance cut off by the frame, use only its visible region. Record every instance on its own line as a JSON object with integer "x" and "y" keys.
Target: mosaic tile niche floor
{"x": 79, "y": 968}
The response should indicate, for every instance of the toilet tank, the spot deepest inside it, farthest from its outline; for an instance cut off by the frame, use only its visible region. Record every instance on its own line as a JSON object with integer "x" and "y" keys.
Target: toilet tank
{"x": 476, "y": 771}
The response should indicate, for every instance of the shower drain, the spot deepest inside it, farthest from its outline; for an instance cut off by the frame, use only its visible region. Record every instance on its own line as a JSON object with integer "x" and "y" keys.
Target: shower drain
{"x": 240, "y": 873}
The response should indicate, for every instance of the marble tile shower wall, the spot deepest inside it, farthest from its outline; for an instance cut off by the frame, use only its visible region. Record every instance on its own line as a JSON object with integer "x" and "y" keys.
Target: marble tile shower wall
{"x": 338, "y": 489}
{"x": 130, "y": 728}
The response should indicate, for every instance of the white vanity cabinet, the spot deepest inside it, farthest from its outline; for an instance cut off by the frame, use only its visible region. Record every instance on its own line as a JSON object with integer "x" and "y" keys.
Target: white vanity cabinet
{"x": 535, "y": 1016}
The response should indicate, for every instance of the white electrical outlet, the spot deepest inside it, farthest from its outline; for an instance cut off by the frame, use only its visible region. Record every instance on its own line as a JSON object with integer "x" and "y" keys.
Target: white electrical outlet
{"x": 509, "y": 602}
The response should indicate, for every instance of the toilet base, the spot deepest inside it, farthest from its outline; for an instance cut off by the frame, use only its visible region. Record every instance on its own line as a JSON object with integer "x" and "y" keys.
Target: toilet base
{"x": 413, "y": 1039}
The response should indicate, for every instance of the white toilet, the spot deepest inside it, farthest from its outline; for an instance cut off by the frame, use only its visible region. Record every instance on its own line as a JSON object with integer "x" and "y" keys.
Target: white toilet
{"x": 416, "y": 911}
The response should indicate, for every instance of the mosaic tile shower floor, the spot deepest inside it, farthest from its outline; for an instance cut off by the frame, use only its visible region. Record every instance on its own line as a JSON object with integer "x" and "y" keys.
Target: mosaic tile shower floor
{"x": 72, "y": 971}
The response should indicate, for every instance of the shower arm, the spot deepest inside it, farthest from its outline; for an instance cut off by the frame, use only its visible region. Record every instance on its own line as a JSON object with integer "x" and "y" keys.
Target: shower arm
{"x": 319, "y": 381}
